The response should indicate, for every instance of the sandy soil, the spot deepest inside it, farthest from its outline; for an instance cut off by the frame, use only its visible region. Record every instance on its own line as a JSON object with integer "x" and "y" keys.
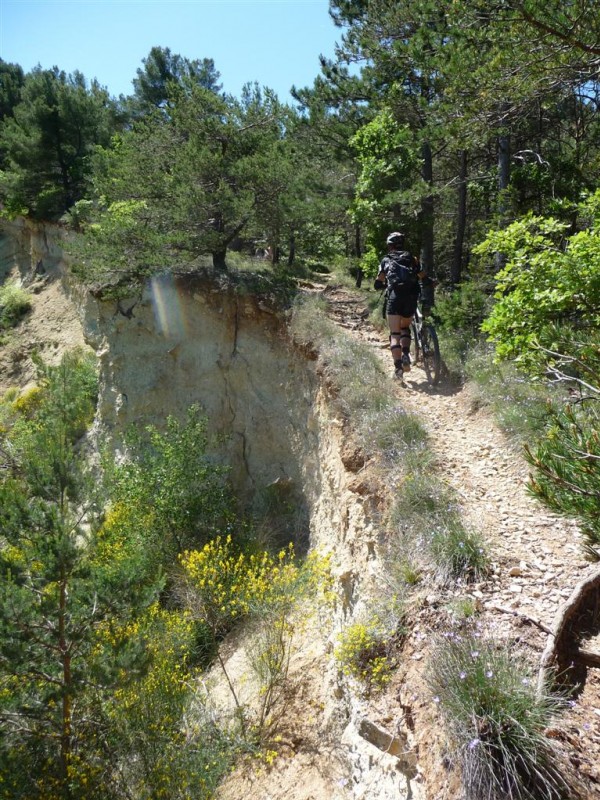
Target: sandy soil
{"x": 49, "y": 329}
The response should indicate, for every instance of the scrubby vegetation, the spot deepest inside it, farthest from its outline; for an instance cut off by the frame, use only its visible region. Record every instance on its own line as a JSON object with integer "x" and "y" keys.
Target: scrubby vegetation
{"x": 14, "y": 304}
{"x": 115, "y": 596}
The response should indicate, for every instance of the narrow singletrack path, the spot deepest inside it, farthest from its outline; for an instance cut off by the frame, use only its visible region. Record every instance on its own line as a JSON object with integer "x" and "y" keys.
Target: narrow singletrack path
{"x": 537, "y": 555}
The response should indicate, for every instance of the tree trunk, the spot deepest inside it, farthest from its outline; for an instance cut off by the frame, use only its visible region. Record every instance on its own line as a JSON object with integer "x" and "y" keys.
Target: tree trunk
{"x": 461, "y": 222}
{"x": 427, "y": 212}
{"x": 357, "y": 242}
{"x": 219, "y": 261}
{"x": 65, "y": 656}
{"x": 503, "y": 185}
{"x": 292, "y": 252}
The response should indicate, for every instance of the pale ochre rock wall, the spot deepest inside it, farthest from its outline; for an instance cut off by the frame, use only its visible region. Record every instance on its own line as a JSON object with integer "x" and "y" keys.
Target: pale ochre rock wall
{"x": 182, "y": 343}
{"x": 190, "y": 340}
{"x": 28, "y": 247}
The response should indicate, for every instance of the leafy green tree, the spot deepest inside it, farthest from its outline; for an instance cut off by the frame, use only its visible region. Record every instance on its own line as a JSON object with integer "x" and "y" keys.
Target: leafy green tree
{"x": 11, "y": 83}
{"x": 389, "y": 171}
{"x": 162, "y": 70}
{"x": 185, "y": 184}
{"x": 545, "y": 281}
{"x": 47, "y": 606}
{"x": 546, "y": 316}
{"x": 47, "y": 142}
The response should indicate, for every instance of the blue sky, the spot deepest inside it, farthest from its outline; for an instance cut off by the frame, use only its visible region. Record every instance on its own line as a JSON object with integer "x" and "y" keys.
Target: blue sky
{"x": 274, "y": 42}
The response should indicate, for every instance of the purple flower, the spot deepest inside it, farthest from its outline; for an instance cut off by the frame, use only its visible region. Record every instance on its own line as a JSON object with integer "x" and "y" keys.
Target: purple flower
{"x": 488, "y": 673}
{"x": 473, "y": 743}
{"x": 462, "y": 676}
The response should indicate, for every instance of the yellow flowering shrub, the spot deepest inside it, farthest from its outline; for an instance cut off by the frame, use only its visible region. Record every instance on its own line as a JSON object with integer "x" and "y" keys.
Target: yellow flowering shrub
{"x": 29, "y": 402}
{"x": 362, "y": 653}
{"x": 228, "y": 585}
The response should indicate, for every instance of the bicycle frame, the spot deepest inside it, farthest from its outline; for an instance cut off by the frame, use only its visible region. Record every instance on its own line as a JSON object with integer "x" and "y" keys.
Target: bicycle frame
{"x": 426, "y": 346}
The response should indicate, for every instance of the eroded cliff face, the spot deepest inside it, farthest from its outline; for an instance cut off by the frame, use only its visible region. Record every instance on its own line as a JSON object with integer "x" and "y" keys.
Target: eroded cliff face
{"x": 194, "y": 339}
{"x": 183, "y": 342}
{"x": 31, "y": 256}
{"x": 188, "y": 340}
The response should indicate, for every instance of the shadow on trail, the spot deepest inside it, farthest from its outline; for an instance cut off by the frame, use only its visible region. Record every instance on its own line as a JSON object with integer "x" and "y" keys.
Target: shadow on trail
{"x": 445, "y": 388}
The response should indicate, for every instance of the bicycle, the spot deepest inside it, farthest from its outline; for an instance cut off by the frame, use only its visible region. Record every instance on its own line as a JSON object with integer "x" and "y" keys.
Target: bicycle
{"x": 426, "y": 346}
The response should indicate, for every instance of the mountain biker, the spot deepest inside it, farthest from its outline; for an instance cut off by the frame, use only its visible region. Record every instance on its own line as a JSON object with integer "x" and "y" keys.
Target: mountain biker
{"x": 399, "y": 274}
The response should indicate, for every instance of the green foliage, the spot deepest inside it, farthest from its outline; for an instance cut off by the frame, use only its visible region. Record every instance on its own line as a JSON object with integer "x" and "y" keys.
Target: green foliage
{"x": 363, "y": 652}
{"x": 567, "y": 456}
{"x": 95, "y": 677}
{"x": 168, "y": 494}
{"x": 14, "y": 304}
{"x": 495, "y": 720}
{"x": 546, "y": 317}
{"x": 49, "y": 604}
{"x": 185, "y": 184}
{"x": 463, "y": 310}
{"x": 388, "y": 162}
{"x": 161, "y": 755}
{"x": 163, "y": 71}
{"x": 542, "y": 283}
{"x": 48, "y": 139}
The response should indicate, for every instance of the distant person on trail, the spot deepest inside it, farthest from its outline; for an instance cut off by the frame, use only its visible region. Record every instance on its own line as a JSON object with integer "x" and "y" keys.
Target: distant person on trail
{"x": 399, "y": 274}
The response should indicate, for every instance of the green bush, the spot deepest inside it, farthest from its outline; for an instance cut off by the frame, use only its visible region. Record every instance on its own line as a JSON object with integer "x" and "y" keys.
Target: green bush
{"x": 14, "y": 304}
{"x": 495, "y": 721}
{"x": 169, "y": 492}
{"x": 545, "y": 280}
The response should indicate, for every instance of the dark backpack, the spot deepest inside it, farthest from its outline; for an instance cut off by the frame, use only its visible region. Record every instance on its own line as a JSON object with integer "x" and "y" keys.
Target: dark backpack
{"x": 401, "y": 270}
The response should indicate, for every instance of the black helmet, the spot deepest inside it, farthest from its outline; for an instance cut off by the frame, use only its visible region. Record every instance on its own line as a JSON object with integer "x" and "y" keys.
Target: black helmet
{"x": 395, "y": 238}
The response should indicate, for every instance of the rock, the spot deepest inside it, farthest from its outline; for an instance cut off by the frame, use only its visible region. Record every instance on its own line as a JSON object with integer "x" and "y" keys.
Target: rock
{"x": 515, "y": 572}
{"x": 393, "y": 745}
{"x": 353, "y": 459}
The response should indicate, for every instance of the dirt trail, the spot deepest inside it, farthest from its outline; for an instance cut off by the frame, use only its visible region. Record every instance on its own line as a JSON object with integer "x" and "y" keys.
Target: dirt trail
{"x": 537, "y": 555}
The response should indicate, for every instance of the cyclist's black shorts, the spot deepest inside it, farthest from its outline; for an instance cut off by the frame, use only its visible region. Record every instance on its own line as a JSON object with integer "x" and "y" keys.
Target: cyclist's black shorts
{"x": 402, "y": 301}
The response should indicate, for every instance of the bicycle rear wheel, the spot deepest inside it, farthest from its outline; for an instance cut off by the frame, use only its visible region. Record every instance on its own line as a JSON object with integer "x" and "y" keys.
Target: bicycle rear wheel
{"x": 432, "y": 361}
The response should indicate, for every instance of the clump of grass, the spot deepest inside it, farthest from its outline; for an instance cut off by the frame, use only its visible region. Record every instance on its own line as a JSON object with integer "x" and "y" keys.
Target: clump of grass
{"x": 14, "y": 304}
{"x": 520, "y": 404}
{"x": 428, "y": 518}
{"x": 463, "y": 608}
{"x": 456, "y": 551}
{"x": 363, "y": 389}
{"x": 495, "y": 721}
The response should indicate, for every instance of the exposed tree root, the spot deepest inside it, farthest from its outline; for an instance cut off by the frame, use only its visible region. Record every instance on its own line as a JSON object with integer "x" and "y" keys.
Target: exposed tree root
{"x": 577, "y": 619}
